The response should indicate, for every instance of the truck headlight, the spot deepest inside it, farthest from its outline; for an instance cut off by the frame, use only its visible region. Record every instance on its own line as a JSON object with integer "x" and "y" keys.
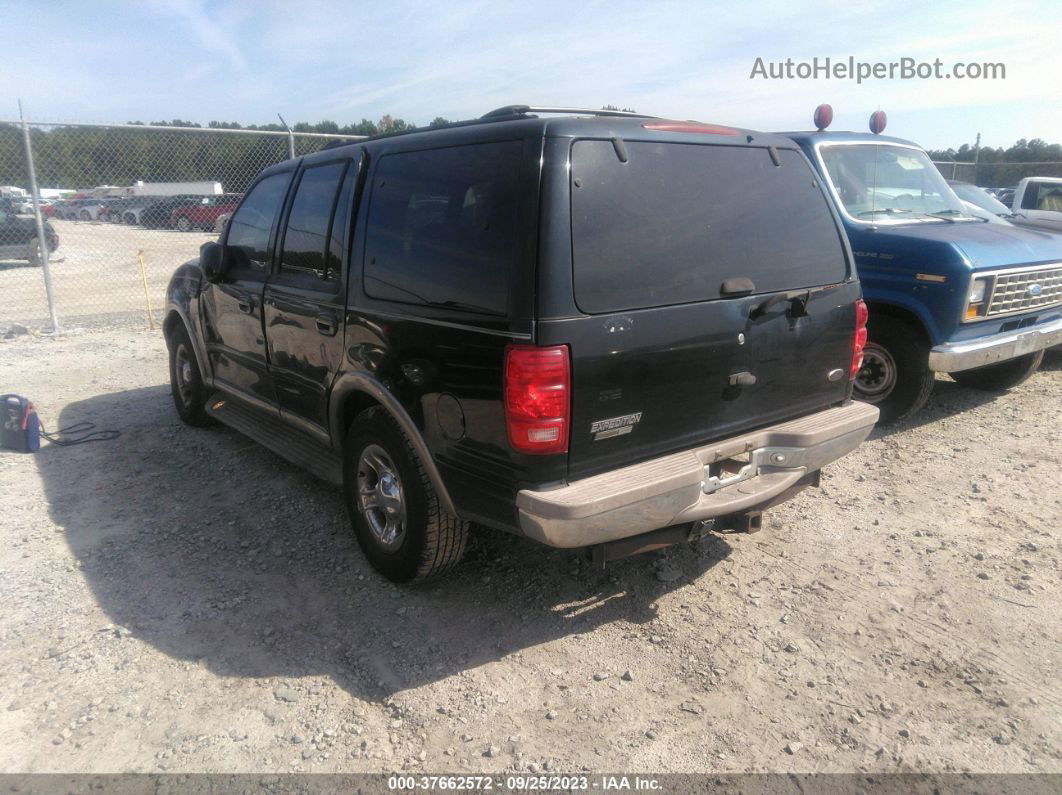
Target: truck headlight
{"x": 975, "y": 299}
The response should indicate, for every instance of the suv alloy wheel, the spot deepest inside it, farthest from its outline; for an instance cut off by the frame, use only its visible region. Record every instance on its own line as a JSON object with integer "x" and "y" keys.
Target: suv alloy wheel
{"x": 394, "y": 509}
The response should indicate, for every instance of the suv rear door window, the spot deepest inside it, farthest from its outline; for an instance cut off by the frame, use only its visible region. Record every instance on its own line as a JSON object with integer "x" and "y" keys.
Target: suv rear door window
{"x": 441, "y": 227}
{"x": 305, "y": 245}
{"x": 677, "y": 220}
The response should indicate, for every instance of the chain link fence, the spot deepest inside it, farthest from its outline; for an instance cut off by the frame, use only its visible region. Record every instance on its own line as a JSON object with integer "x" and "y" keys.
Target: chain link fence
{"x": 121, "y": 206}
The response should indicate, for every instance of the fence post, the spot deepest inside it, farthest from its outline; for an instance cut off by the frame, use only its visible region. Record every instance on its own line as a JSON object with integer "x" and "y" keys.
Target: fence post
{"x": 291, "y": 137}
{"x": 42, "y": 241}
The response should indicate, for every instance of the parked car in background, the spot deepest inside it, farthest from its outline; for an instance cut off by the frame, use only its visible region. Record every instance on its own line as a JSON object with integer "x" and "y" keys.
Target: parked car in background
{"x": 992, "y": 208}
{"x": 1038, "y": 202}
{"x": 982, "y": 202}
{"x": 111, "y": 211}
{"x": 203, "y": 214}
{"x": 18, "y": 237}
{"x": 1005, "y": 195}
{"x": 135, "y": 207}
{"x": 545, "y": 326}
{"x": 116, "y": 210}
{"x": 947, "y": 291}
{"x": 159, "y": 213}
{"x": 82, "y": 209}
{"x": 60, "y": 209}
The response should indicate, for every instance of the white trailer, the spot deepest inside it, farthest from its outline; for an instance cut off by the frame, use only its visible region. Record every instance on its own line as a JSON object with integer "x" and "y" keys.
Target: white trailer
{"x": 141, "y": 188}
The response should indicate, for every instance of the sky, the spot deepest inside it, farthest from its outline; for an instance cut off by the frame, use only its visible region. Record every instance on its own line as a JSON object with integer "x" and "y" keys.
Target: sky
{"x": 311, "y": 60}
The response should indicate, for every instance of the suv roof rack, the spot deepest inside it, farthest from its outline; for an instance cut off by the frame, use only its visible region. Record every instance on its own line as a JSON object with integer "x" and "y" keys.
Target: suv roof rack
{"x": 505, "y": 113}
{"x": 520, "y": 110}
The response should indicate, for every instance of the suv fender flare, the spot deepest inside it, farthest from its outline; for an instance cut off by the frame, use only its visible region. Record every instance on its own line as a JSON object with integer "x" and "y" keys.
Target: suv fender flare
{"x": 349, "y": 384}
{"x": 175, "y": 315}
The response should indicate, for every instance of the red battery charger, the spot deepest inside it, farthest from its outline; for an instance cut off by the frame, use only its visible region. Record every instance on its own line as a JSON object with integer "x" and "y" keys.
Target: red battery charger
{"x": 20, "y": 428}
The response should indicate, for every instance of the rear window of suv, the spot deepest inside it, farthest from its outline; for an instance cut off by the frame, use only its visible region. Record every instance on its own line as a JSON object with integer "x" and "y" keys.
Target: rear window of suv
{"x": 675, "y": 221}
{"x": 442, "y": 227}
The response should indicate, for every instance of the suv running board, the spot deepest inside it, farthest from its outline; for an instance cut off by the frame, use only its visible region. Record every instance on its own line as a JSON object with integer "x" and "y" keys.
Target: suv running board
{"x": 297, "y": 447}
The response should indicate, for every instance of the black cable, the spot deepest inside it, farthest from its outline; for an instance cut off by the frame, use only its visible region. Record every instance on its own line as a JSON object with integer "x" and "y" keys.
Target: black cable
{"x": 87, "y": 429}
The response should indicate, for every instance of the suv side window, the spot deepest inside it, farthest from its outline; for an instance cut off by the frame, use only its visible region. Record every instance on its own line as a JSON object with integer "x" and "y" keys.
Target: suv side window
{"x": 441, "y": 227}
{"x": 252, "y": 223}
{"x": 306, "y": 237}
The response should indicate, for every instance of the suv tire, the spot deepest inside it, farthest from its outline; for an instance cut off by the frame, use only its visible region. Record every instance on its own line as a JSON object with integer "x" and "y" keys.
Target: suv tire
{"x": 895, "y": 375}
{"x": 1002, "y": 376}
{"x": 394, "y": 509}
{"x": 183, "y": 224}
{"x": 186, "y": 382}
{"x": 85, "y": 215}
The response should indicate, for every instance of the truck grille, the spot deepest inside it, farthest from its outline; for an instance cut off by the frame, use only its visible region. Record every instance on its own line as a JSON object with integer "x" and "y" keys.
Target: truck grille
{"x": 1017, "y": 292}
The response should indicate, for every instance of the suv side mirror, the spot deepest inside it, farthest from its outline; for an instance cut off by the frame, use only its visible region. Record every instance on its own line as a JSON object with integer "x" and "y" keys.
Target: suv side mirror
{"x": 212, "y": 261}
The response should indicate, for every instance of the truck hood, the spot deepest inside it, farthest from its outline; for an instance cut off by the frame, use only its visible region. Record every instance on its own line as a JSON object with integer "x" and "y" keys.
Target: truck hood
{"x": 986, "y": 246}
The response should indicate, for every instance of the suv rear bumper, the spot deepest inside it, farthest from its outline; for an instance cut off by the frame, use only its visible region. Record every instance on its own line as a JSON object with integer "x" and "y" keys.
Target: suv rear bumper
{"x": 952, "y": 357}
{"x": 679, "y": 488}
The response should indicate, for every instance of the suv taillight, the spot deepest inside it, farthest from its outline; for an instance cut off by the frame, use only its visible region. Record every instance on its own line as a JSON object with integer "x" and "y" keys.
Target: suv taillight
{"x": 537, "y": 399}
{"x": 859, "y": 340}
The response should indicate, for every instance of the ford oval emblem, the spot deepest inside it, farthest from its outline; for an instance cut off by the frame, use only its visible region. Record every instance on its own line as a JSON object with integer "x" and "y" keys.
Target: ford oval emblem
{"x": 1035, "y": 289}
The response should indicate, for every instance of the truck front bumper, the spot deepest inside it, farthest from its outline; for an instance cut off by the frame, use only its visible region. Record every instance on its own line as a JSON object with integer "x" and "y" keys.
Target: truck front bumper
{"x": 689, "y": 485}
{"x": 952, "y": 357}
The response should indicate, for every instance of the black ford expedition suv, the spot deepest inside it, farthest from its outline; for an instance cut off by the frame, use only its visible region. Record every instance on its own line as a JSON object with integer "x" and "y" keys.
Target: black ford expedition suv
{"x": 606, "y": 331}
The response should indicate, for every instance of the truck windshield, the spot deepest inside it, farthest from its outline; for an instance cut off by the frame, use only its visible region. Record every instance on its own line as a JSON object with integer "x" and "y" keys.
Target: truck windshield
{"x": 879, "y": 181}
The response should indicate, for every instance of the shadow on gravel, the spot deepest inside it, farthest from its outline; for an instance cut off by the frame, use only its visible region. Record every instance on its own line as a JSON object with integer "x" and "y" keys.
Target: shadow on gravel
{"x": 212, "y": 549}
{"x": 949, "y": 399}
{"x": 1052, "y": 360}
{"x": 6, "y": 265}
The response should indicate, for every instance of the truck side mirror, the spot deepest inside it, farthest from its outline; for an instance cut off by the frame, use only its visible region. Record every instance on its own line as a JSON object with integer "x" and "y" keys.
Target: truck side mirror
{"x": 212, "y": 261}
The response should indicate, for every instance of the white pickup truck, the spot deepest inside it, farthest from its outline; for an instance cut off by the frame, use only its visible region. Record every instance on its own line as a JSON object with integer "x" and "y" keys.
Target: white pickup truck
{"x": 1038, "y": 202}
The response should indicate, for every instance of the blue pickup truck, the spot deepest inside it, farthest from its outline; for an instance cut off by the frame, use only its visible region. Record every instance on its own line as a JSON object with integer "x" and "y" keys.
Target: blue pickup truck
{"x": 947, "y": 291}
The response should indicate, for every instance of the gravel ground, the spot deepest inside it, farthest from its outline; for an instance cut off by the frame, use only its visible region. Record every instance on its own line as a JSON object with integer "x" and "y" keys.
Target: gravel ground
{"x": 96, "y": 274}
{"x": 183, "y": 600}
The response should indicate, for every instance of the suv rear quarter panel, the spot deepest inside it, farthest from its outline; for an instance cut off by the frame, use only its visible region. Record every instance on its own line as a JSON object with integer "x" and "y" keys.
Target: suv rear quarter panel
{"x": 445, "y": 365}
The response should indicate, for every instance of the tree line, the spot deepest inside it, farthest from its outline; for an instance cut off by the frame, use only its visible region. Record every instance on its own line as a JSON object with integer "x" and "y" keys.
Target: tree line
{"x": 78, "y": 158}
{"x": 999, "y": 167}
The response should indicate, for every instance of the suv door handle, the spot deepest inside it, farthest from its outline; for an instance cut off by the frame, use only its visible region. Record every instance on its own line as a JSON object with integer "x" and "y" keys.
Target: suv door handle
{"x": 246, "y": 305}
{"x": 326, "y": 325}
{"x": 744, "y": 378}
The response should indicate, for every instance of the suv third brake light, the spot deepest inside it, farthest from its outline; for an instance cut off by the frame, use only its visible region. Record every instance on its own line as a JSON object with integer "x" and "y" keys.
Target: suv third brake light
{"x": 537, "y": 398}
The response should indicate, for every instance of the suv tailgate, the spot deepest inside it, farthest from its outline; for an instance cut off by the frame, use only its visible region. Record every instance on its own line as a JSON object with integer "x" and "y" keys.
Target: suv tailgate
{"x": 715, "y": 294}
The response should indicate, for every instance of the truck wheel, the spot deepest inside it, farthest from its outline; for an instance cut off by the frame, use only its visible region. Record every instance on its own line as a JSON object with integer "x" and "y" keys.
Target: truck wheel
{"x": 394, "y": 509}
{"x": 895, "y": 375}
{"x": 85, "y": 215}
{"x": 183, "y": 224}
{"x": 186, "y": 382}
{"x": 1002, "y": 376}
